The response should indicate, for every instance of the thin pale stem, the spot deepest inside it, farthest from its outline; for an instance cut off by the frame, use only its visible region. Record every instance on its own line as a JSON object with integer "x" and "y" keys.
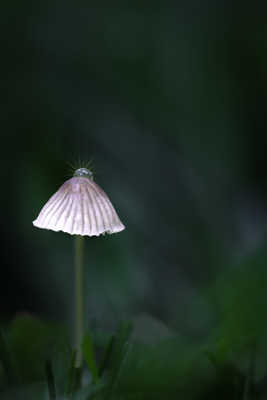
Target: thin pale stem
{"x": 79, "y": 252}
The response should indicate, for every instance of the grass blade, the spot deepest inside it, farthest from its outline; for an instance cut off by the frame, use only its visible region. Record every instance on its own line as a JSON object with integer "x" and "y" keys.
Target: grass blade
{"x": 50, "y": 380}
{"x": 74, "y": 376}
{"x": 119, "y": 353}
{"x": 89, "y": 356}
{"x": 107, "y": 355}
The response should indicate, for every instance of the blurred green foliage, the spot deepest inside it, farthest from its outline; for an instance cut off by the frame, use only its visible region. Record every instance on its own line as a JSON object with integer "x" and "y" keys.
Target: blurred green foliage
{"x": 133, "y": 369}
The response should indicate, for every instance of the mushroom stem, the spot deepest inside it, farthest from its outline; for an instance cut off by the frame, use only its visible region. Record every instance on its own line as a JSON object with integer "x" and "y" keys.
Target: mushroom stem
{"x": 78, "y": 335}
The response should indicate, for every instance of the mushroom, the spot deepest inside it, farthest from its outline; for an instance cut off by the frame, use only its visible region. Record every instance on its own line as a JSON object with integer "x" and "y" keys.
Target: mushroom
{"x": 81, "y": 208}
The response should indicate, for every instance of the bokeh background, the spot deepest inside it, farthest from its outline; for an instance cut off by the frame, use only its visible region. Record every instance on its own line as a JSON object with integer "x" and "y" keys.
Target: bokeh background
{"x": 169, "y": 101}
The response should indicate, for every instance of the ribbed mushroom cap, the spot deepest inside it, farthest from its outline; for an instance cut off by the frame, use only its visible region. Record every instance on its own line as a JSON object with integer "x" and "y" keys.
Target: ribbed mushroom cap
{"x": 79, "y": 207}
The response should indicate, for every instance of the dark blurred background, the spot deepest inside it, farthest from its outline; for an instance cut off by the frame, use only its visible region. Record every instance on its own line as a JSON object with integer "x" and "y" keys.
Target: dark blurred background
{"x": 169, "y": 101}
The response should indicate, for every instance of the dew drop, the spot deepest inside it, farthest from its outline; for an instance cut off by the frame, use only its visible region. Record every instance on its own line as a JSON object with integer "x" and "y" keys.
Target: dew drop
{"x": 84, "y": 173}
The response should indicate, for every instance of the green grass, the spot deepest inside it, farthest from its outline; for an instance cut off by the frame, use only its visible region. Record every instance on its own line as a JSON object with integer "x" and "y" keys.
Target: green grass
{"x": 143, "y": 359}
{"x": 37, "y": 363}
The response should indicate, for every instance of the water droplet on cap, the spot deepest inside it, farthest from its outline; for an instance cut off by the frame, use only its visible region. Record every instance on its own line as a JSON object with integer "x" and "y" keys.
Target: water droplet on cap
{"x": 84, "y": 173}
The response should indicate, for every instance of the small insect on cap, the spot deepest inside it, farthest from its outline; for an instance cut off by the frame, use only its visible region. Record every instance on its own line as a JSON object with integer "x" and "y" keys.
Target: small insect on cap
{"x": 80, "y": 207}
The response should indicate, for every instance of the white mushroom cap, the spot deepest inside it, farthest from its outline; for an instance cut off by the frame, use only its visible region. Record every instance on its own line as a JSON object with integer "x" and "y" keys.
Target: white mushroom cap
{"x": 80, "y": 207}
